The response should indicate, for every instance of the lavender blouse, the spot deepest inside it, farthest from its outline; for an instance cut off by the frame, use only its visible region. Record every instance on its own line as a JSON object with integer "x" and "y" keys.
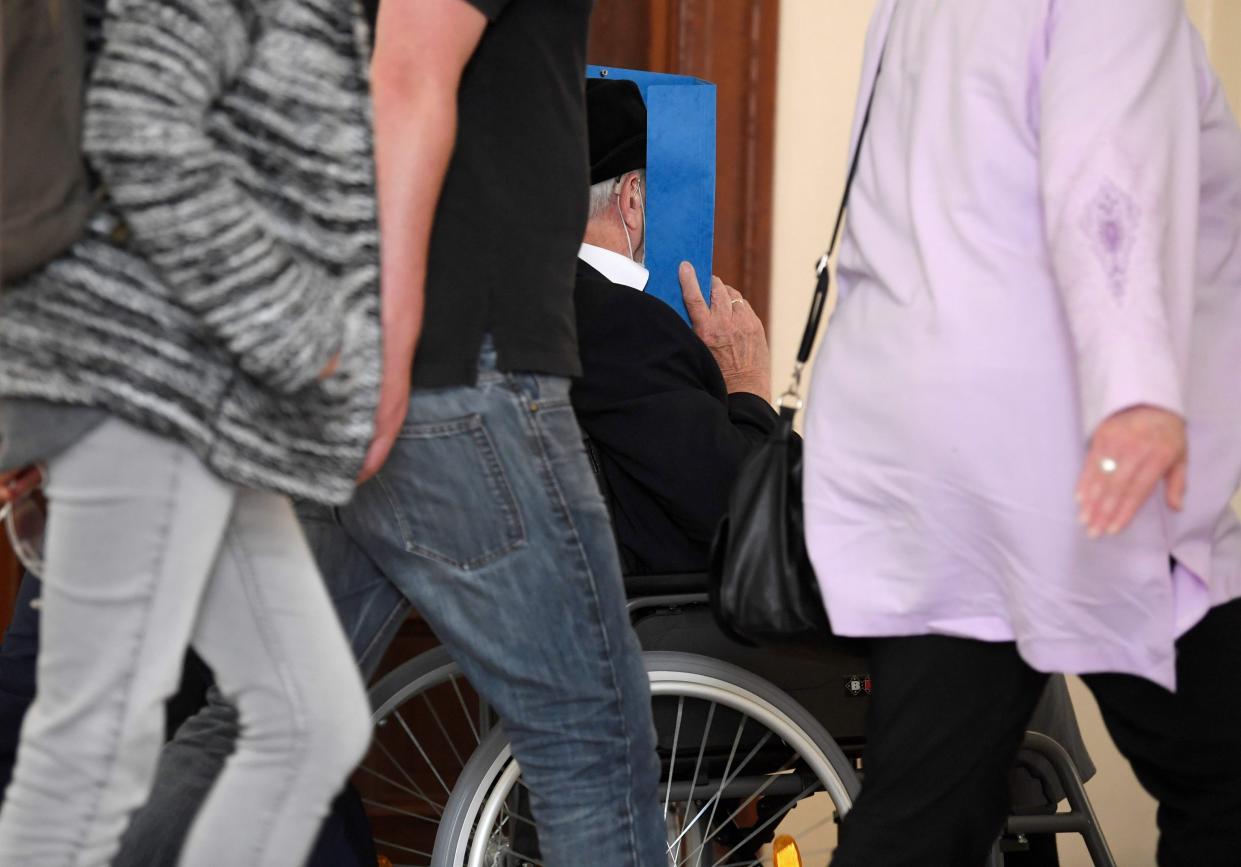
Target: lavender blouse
{"x": 1045, "y": 229}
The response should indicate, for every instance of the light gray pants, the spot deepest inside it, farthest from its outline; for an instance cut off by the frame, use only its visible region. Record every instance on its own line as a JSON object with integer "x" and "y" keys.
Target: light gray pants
{"x": 148, "y": 553}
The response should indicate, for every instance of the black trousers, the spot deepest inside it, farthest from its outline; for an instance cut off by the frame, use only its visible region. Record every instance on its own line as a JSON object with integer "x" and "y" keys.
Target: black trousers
{"x": 948, "y": 715}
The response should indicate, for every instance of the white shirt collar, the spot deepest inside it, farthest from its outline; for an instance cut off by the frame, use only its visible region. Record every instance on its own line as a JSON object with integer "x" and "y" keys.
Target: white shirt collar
{"x": 617, "y": 268}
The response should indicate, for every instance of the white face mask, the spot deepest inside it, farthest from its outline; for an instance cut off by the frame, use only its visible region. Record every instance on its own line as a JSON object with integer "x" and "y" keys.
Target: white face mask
{"x": 624, "y": 225}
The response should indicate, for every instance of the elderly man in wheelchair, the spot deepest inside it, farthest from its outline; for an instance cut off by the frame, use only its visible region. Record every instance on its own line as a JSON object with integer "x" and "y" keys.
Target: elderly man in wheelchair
{"x": 761, "y": 751}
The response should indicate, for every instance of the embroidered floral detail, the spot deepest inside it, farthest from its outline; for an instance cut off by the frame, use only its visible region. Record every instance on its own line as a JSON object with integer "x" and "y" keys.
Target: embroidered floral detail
{"x": 1111, "y": 222}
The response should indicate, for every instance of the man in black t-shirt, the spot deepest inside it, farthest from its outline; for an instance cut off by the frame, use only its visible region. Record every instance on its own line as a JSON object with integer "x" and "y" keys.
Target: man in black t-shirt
{"x": 486, "y": 515}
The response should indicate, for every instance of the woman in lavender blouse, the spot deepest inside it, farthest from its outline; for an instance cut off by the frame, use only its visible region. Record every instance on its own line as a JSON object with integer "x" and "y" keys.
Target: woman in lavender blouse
{"x": 1025, "y": 423}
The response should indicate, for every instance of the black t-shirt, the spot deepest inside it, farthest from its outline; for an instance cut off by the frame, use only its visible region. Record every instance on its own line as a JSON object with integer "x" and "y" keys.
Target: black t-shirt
{"x": 513, "y": 210}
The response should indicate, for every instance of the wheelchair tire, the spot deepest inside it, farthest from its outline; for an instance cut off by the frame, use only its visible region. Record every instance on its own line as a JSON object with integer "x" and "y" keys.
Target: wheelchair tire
{"x": 471, "y": 823}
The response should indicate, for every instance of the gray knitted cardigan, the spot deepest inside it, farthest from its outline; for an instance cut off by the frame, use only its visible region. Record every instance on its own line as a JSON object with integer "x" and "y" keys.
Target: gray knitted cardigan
{"x": 238, "y": 251}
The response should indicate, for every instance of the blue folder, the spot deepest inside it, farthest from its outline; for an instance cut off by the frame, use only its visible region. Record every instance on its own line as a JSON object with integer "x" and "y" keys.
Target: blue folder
{"x": 680, "y": 177}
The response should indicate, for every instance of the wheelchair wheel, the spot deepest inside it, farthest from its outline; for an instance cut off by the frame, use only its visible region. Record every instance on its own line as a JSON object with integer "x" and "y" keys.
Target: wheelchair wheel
{"x": 428, "y": 722}
{"x": 744, "y": 769}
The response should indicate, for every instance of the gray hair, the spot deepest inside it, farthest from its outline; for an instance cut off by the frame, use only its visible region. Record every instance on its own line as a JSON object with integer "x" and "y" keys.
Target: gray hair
{"x": 602, "y": 194}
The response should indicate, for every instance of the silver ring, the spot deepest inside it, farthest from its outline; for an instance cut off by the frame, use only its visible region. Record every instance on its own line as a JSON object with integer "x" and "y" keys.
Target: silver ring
{"x": 738, "y": 301}
{"x": 1108, "y": 466}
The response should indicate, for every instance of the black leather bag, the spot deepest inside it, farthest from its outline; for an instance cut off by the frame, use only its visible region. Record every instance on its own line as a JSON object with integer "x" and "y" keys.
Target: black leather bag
{"x": 763, "y": 589}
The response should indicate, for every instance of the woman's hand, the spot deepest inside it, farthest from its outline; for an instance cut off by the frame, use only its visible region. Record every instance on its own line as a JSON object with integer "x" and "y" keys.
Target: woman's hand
{"x": 1130, "y": 453}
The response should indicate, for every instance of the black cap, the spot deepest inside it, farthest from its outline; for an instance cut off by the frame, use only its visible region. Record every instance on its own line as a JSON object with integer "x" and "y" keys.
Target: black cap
{"x": 616, "y": 120}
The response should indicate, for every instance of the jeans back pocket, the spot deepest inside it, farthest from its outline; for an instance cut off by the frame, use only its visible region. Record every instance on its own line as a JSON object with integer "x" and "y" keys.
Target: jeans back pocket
{"x": 451, "y": 496}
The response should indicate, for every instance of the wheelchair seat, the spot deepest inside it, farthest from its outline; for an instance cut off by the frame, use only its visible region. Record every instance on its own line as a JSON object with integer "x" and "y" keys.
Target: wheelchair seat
{"x": 639, "y": 587}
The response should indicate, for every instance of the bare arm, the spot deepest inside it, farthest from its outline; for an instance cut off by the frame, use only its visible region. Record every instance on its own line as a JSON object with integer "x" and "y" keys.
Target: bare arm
{"x": 421, "y": 49}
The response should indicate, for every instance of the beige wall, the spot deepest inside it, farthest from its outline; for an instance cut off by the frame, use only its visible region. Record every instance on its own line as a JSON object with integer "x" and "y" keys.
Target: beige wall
{"x": 820, "y": 58}
{"x": 1220, "y": 23}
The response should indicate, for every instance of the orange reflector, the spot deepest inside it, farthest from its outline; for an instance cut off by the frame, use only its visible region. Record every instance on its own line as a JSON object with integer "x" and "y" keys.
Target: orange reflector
{"x": 785, "y": 852}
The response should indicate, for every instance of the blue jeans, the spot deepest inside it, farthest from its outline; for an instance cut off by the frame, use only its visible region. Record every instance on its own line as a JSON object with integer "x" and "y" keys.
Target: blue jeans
{"x": 487, "y": 517}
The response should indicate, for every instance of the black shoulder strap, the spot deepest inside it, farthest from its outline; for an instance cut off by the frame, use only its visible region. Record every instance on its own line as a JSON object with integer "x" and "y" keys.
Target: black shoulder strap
{"x": 790, "y": 402}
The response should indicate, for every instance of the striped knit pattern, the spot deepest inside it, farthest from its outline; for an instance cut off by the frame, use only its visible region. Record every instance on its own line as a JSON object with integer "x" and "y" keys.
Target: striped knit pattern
{"x": 234, "y": 139}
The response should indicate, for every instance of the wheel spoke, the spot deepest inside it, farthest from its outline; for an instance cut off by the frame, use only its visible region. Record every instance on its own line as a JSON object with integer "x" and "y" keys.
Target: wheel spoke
{"x": 729, "y": 778}
{"x": 760, "y": 828}
{"x": 516, "y": 816}
{"x": 418, "y": 746}
{"x": 706, "y": 738}
{"x": 709, "y": 836}
{"x": 400, "y": 811}
{"x": 672, "y": 765}
{"x": 388, "y": 844}
{"x": 771, "y": 778}
{"x": 713, "y": 803}
{"x": 466, "y": 710}
{"x": 404, "y": 773}
{"x": 444, "y": 731}
{"x": 509, "y": 815}
{"x": 435, "y": 805}
{"x": 702, "y": 749}
{"x": 716, "y": 798}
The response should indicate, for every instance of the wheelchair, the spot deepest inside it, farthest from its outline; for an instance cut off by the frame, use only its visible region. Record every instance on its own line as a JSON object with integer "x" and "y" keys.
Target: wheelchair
{"x": 761, "y": 753}
{"x": 740, "y": 758}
